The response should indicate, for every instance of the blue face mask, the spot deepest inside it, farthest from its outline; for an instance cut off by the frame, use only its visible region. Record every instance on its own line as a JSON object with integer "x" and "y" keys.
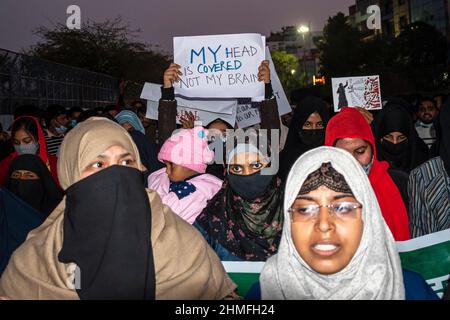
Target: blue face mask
{"x": 73, "y": 123}
{"x": 368, "y": 167}
{"x": 27, "y": 148}
{"x": 61, "y": 130}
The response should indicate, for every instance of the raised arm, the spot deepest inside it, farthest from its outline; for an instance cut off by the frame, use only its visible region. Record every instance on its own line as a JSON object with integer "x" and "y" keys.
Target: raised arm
{"x": 167, "y": 109}
{"x": 270, "y": 117}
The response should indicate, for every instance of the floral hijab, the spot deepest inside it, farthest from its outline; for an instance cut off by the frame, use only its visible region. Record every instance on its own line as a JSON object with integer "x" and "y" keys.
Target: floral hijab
{"x": 250, "y": 230}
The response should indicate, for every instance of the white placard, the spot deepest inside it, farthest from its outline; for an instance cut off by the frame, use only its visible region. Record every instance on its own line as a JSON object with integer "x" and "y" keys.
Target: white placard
{"x": 361, "y": 92}
{"x": 247, "y": 114}
{"x": 220, "y": 66}
{"x": 284, "y": 106}
{"x": 202, "y": 116}
{"x": 152, "y": 92}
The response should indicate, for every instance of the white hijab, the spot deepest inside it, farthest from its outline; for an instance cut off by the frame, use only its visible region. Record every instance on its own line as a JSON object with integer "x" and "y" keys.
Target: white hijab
{"x": 373, "y": 273}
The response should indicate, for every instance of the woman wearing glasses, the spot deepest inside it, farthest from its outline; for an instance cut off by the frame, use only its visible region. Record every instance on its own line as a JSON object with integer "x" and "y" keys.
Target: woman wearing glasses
{"x": 335, "y": 243}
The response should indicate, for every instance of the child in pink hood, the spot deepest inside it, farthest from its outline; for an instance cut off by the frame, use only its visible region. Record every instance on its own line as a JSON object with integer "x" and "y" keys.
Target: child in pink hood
{"x": 183, "y": 185}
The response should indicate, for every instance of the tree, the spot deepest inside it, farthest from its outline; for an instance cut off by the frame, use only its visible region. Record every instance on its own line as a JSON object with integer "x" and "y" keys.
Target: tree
{"x": 108, "y": 47}
{"x": 420, "y": 54}
{"x": 341, "y": 48}
{"x": 287, "y": 65}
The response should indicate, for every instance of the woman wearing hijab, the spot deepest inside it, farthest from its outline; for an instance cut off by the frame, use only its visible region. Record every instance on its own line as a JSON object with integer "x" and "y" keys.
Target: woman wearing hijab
{"x": 335, "y": 243}
{"x": 429, "y": 185}
{"x": 17, "y": 218}
{"x": 396, "y": 138}
{"x": 243, "y": 221}
{"x": 306, "y": 132}
{"x": 350, "y": 131}
{"x": 398, "y": 144}
{"x": 147, "y": 150}
{"x": 270, "y": 119}
{"x": 30, "y": 180}
{"x": 28, "y": 137}
{"x": 110, "y": 234}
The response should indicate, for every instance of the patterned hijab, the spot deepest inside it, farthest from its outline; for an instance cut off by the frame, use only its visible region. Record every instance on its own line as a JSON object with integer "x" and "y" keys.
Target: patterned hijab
{"x": 374, "y": 272}
{"x": 250, "y": 230}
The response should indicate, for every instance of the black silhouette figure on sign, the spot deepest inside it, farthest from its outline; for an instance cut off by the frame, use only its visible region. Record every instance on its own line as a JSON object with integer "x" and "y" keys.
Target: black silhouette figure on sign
{"x": 342, "y": 97}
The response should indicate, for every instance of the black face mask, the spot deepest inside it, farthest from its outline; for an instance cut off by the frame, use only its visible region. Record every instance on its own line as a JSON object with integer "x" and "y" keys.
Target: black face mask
{"x": 312, "y": 138}
{"x": 30, "y": 191}
{"x": 250, "y": 187}
{"x": 394, "y": 149}
{"x": 107, "y": 233}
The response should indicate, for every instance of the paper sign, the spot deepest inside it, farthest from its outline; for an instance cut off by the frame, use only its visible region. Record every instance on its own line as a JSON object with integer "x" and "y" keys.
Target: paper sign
{"x": 220, "y": 66}
{"x": 362, "y": 92}
{"x": 152, "y": 92}
{"x": 283, "y": 103}
{"x": 247, "y": 113}
{"x": 202, "y": 116}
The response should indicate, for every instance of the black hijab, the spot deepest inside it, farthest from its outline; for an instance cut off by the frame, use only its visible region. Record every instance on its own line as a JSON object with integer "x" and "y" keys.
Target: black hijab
{"x": 107, "y": 233}
{"x": 43, "y": 194}
{"x": 147, "y": 150}
{"x": 297, "y": 140}
{"x": 404, "y": 156}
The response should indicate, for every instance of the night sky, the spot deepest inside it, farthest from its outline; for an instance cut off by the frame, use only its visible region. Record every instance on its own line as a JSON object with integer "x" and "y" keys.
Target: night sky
{"x": 159, "y": 21}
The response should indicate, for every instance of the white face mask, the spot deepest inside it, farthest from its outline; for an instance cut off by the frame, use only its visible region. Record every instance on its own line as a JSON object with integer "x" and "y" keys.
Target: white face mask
{"x": 27, "y": 148}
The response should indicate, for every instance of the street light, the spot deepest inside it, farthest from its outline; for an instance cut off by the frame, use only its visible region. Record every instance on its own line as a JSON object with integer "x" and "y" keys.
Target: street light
{"x": 292, "y": 71}
{"x": 303, "y": 29}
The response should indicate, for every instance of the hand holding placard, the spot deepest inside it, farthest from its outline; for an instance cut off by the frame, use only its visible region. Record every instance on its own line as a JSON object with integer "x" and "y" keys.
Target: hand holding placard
{"x": 171, "y": 75}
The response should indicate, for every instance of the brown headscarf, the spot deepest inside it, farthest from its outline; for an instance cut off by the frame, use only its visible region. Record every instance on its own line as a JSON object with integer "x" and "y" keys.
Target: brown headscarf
{"x": 185, "y": 266}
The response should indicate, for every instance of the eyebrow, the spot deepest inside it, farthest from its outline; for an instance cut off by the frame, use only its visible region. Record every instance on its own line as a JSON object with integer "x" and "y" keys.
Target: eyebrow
{"x": 339, "y": 196}
{"x": 342, "y": 196}
{"x": 305, "y": 198}
{"x": 123, "y": 155}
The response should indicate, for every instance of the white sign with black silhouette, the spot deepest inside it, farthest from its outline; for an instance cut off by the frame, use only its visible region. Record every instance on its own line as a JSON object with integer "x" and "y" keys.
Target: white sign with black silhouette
{"x": 361, "y": 92}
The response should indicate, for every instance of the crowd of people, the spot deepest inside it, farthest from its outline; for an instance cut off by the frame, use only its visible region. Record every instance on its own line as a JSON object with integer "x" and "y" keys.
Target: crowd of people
{"x": 107, "y": 204}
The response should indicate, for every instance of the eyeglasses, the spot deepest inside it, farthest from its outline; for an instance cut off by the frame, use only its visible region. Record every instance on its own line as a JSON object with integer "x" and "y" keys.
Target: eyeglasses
{"x": 341, "y": 210}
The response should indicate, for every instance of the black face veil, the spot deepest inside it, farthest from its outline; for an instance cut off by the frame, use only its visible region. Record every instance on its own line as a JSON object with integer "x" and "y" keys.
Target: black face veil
{"x": 107, "y": 224}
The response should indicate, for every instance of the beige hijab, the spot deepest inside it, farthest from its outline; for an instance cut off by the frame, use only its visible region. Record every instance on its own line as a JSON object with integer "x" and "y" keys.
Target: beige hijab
{"x": 185, "y": 266}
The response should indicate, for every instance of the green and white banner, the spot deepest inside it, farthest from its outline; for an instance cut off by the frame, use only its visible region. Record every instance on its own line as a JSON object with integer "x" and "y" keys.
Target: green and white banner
{"x": 428, "y": 255}
{"x": 244, "y": 274}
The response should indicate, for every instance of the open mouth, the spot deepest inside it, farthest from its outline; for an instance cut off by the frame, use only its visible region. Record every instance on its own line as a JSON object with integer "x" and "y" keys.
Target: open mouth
{"x": 325, "y": 249}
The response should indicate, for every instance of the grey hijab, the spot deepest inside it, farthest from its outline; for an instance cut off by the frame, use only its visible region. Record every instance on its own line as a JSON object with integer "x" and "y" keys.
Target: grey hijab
{"x": 373, "y": 273}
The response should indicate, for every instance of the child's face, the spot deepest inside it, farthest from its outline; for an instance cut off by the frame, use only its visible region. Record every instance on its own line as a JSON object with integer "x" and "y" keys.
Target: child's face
{"x": 177, "y": 173}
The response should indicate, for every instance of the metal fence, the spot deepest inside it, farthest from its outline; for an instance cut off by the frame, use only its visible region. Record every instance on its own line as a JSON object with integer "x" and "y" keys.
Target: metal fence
{"x": 30, "y": 80}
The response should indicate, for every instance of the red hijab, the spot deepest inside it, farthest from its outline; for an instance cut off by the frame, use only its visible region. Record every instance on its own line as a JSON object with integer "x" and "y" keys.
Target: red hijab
{"x": 349, "y": 123}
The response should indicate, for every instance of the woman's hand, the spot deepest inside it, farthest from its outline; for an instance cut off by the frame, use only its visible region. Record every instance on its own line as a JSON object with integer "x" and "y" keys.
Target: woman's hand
{"x": 264, "y": 72}
{"x": 171, "y": 75}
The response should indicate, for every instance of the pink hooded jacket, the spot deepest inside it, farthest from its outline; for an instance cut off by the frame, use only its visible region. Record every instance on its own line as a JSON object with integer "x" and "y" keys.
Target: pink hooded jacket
{"x": 191, "y": 206}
